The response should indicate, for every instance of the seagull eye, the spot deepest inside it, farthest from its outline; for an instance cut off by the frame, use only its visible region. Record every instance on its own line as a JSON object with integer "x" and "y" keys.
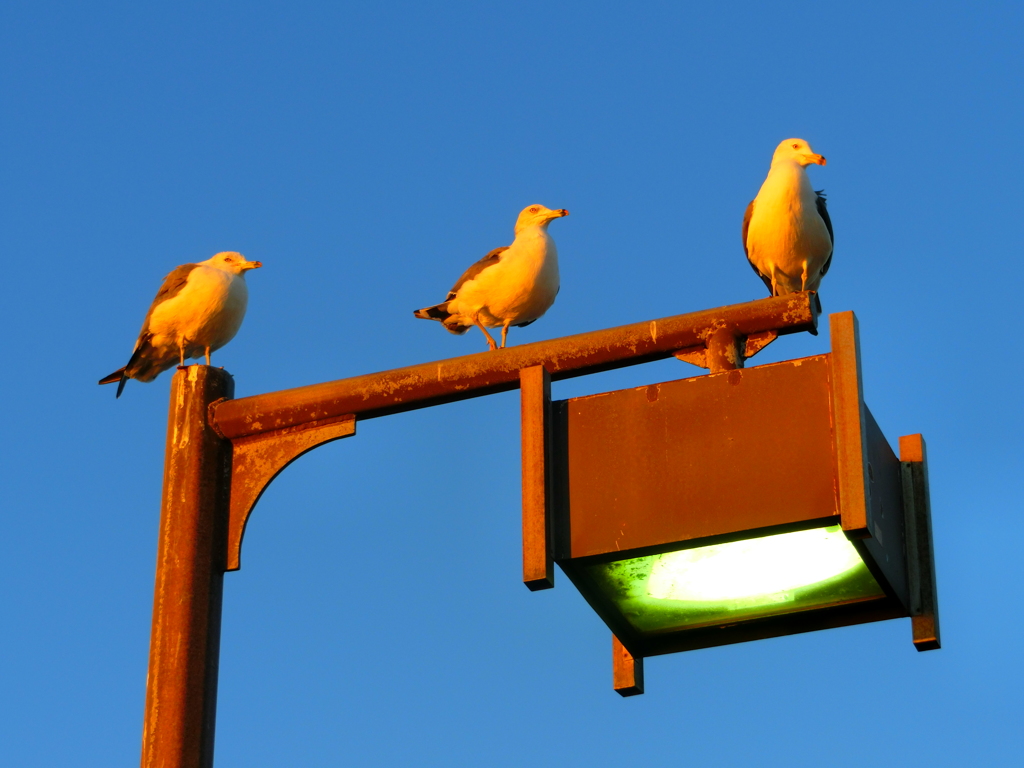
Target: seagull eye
{"x": 534, "y": 209}
{"x": 796, "y": 146}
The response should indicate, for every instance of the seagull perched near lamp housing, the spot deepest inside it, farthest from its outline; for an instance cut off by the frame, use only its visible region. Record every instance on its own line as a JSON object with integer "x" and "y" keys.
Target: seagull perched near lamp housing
{"x": 197, "y": 310}
{"x": 787, "y": 234}
{"x": 509, "y": 286}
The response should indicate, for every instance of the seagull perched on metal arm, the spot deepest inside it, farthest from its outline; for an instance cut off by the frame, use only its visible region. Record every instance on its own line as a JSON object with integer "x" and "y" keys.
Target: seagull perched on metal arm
{"x": 509, "y": 286}
{"x": 787, "y": 233}
{"x": 197, "y": 310}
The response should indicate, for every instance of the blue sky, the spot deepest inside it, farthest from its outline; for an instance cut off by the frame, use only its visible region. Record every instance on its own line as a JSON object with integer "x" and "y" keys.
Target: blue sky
{"x": 367, "y": 153}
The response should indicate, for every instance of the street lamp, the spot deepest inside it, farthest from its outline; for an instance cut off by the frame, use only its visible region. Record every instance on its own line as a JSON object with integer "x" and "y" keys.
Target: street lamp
{"x": 693, "y": 513}
{"x": 745, "y": 504}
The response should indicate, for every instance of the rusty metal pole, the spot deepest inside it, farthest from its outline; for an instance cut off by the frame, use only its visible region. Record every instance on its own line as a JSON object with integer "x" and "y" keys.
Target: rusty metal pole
{"x": 535, "y": 397}
{"x": 181, "y": 688}
{"x": 486, "y": 373}
{"x": 627, "y": 670}
{"x": 723, "y": 351}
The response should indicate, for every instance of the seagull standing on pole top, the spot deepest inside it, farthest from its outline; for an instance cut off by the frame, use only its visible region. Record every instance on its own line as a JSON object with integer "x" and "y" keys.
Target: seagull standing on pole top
{"x": 509, "y": 286}
{"x": 197, "y": 310}
{"x": 787, "y": 234}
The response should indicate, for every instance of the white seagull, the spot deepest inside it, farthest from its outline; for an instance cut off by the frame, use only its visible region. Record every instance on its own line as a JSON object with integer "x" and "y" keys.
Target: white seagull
{"x": 787, "y": 234}
{"x": 197, "y": 310}
{"x": 509, "y": 286}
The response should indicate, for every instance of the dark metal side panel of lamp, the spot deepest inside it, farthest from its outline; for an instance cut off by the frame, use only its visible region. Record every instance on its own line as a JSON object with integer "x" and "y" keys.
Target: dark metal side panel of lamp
{"x": 695, "y": 458}
{"x": 924, "y": 601}
{"x": 868, "y": 473}
{"x": 885, "y": 549}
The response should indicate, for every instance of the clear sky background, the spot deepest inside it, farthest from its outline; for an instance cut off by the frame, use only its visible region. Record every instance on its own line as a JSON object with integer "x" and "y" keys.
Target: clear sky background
{"x": 367, "y": 153}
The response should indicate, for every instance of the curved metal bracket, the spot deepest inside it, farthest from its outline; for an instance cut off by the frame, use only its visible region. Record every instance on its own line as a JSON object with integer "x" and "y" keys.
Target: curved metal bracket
{"x": 258, "y": 459}
{"x": 725, "y": 350}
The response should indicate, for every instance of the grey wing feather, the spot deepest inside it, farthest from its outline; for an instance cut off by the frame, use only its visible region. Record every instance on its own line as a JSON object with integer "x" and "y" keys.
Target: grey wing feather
{"x": 819, "y": 203}
{"x": 489, "y": 260}
{"x": 746, "y": 226}
{"x": 140, "y": 366}
{"x": 171, "y": 287}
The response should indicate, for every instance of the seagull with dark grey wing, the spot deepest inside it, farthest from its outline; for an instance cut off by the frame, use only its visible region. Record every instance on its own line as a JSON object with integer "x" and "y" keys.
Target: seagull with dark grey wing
{"x": 509, "y": 286}
{"x": 787, "y": 234}
{"x": 197, "y": 310}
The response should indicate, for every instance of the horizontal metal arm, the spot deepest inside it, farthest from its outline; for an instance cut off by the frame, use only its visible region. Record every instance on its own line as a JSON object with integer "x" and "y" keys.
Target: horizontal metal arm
{"x": 460, "y": 378}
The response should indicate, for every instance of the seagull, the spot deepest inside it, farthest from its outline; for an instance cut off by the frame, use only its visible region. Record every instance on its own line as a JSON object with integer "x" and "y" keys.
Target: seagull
{"x": 197, "y": 310}
{"x": 513, "y": 285}
{"x": 787, "y": 234}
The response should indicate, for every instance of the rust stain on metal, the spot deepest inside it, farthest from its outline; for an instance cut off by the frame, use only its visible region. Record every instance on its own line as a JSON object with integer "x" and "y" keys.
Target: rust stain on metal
{"x": 724, "y": 347}
{"x": 694, "y": 355}
{"x": 723, "y": 350}
{"x": 757, "y": 341}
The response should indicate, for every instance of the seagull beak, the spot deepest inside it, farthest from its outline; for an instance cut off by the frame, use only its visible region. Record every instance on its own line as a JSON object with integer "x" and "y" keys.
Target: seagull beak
{"x": 561, "y": 212}
{"x": 819, "y": 159}
{"x": 252, "y": 265}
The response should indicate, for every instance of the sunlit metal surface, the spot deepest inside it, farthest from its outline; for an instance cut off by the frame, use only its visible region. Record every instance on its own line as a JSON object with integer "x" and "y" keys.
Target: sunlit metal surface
{"x": 485, "y": 373}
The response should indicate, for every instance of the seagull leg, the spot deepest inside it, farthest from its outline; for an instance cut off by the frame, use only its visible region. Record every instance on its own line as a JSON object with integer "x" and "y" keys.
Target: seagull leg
{"x": 207, "y": 355}
{"x": 504, "y": 332}
{"x": 803, "y": 277}
{"x": 490, "y": 339}
{"x": 181, "y": 353}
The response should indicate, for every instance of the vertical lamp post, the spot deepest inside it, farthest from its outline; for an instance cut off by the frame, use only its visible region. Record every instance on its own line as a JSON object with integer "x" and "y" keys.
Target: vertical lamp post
{"x": 181, "y": 689}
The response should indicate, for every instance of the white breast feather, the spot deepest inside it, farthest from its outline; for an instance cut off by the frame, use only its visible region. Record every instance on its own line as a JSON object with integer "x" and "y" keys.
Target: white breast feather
{"x": 207, "y": 312}
{"x": 786, "y": 234}
{"x": 519, "y": 288}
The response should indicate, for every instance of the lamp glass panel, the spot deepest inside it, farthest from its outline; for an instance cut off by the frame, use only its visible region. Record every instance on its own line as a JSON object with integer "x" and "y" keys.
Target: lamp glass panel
{"x": 753, "y": 578}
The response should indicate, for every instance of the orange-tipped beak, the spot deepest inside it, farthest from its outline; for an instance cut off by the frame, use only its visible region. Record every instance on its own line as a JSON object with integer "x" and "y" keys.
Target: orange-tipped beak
{"x": 253, "y": 264}
{"x": 563, "y": 212}
{"x": 819, "y": 159}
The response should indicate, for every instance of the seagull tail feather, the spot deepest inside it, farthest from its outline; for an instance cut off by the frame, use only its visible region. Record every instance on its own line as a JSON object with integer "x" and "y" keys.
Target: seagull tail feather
{"x": 436, "y": 312}
{"x": 440, "y": 313}
{"x": 131, "y": 370}
{"x": 115, "y": 376}
{"x": 120, "y": 376}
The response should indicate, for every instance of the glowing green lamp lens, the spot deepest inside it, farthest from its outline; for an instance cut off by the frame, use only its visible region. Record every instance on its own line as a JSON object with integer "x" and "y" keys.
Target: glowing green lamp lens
{"x": 778, "y": 574}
